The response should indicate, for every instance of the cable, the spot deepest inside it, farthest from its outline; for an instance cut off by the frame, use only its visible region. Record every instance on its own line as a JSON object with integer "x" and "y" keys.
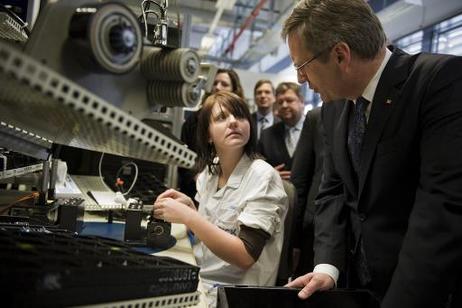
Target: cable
{"x": 33, "y": 196}
{"x": 117, "y": 175}
{"x": 23, "y": 24}
{"x": 101, "y": 174}
{"x": 135, "y": 178}
{"x": 145, "y": 5}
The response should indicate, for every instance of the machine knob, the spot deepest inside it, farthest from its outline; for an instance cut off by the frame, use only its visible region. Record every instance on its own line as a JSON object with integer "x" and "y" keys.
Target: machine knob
{"x": 122, "y": 38}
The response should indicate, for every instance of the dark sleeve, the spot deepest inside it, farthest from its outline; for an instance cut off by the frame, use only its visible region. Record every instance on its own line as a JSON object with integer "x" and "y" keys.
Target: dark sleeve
{"x": 261, "y": 147}
{"x": 189, "y": 131}
{"x": 254, "y": 240}
{"x": 331, "y": 216}
{"x": 303, "y": 169}
{"x": 186, "y": 182}
{"x": 430, "y": 258}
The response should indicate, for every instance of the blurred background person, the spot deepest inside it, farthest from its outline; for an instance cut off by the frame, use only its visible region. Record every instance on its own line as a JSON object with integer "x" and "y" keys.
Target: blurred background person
{"x": 264, "y": 99}
{"x": 278, "y": 142}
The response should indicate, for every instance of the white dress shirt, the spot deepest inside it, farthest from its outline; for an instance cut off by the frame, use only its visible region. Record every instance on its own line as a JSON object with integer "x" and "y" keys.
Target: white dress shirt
{"x": 293, "y": 135}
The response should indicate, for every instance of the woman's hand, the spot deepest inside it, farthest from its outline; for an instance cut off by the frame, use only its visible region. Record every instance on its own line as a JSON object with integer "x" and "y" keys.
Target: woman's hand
{"x": 172, "y": 210}
{"x": 178, "y": 196}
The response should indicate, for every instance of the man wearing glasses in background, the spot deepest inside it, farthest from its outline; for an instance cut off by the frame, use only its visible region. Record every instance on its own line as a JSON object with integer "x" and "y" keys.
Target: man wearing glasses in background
{"x": 389, "y": 210}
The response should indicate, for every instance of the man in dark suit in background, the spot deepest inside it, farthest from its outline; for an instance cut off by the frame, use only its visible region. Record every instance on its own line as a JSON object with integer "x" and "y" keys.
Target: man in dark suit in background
{"x": 264, "y": 99}
{"x": 277, "y": 143}
{"x": 306, "y": 174}
{"x": 390, "y": 202}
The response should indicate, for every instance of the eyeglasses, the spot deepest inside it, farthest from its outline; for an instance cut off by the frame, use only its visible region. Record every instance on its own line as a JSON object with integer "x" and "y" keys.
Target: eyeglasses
{"x": 299, "y": 67}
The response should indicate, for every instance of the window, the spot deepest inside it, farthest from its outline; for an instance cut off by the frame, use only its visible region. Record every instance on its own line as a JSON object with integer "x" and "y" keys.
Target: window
{"x": 448, "y": 36}
{"x": 411, "y": 43}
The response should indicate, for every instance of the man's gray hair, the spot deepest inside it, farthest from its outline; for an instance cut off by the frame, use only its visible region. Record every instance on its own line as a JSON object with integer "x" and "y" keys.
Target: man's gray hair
{"x": 323, "y": 23}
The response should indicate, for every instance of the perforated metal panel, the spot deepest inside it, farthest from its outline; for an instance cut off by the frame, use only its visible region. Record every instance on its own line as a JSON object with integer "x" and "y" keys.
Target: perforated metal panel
{"x": 170, "y": 301}
{"x": 25, "y": 135}
{"x": 41, "y": 101}
{"x": 11, "y": 29}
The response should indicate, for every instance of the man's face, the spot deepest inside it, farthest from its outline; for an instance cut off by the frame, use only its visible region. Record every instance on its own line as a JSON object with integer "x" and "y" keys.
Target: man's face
{"x": 290, "y": 107}
{"x": 321, "y": 77}
{"x": 264, "y": 97}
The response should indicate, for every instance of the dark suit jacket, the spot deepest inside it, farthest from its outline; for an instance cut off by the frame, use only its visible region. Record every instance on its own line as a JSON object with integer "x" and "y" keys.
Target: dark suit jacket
{"x": 255, "y": 126}
{"x": 306, "y": 177}
{"x": 273, "y": 147}
{"x": 407, "y": 201}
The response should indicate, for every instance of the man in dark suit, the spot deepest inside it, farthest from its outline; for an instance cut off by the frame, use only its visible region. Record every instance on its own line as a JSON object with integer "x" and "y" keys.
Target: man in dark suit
{"x": 264, "y": 99}
{"x": 389, "y": 210}
{"x": 306, "y": 174}
{"x": 277, "y": 143}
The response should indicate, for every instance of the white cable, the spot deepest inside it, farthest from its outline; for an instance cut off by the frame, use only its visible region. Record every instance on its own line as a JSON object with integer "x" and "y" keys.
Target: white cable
{"x": 134, "y": 179}
{"x": 100, "y": 173}
{"x": 123, "y": 166}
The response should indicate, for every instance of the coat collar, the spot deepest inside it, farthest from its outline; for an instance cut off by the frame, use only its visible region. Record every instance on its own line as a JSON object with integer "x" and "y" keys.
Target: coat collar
{"x": 236, "y": 176}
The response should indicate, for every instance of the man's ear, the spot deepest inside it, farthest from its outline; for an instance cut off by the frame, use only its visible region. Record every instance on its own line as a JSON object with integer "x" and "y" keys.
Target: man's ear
{"x": 342, "y": 54}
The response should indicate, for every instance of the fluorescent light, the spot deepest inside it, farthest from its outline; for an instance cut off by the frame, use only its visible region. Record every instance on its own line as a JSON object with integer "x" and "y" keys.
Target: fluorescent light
{"x": 207, "y": 41}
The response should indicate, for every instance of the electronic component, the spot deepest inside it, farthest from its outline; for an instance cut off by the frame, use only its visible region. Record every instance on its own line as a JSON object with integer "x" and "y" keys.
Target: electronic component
{"x": 174, "y": 94}
{"x": 173, "y": 76}
{"x": 12, "y": 27}
{"x": 180, "y": 64}
{"x": 160, "y": 35}
{"x": 109, "y": 34}
{"x": 70, "y": 214}
{"x": 158, "y": 234}
{"x": 133, "y": 230}
{"x": 64, "y": 269}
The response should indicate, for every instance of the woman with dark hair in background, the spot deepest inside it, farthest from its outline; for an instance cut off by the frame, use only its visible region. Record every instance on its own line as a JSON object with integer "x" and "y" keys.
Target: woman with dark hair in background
{"x": 240, "y": 222}
{"x": 225, "y": 80}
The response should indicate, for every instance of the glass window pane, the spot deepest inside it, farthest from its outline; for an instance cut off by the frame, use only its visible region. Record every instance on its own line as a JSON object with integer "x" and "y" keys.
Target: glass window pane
{"x": 411, "y": 43}
{"x": 448, "y": 36}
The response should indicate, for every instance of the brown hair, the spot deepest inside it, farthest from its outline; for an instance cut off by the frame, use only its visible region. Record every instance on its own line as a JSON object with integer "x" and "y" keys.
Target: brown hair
{"x": 260, "y": 83}
{"x": 238, "y": 108}
{"x": 323, "y": 23}
{"x": 235, "y": 81}
{"x": 284, "y": 86}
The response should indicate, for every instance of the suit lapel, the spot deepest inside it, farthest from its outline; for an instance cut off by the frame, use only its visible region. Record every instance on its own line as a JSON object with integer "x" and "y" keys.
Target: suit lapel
{"x": 385, "y": 100}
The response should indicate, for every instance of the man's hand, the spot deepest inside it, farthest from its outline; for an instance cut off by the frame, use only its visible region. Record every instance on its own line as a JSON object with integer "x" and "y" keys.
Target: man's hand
{"x": 311, "y": 283}
{"x": 285, "y": 175}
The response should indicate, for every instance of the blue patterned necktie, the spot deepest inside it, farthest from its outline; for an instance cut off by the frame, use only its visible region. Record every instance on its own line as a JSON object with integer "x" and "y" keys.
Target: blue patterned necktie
{"x": 356, "y": 130}
{"x": 263, "y": 124}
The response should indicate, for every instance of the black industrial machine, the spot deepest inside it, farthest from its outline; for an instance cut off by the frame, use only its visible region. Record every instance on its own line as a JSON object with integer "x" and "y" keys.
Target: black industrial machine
{"x": 96, "y": 76}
